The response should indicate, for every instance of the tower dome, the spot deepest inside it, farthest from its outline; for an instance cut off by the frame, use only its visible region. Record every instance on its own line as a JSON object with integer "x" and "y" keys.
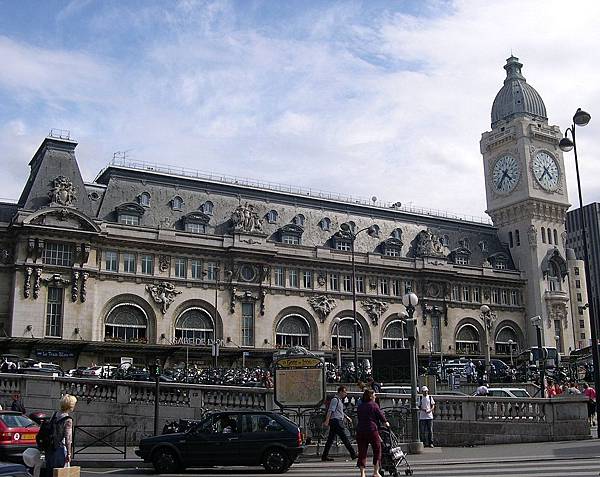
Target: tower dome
{"x": 516, "y": 97}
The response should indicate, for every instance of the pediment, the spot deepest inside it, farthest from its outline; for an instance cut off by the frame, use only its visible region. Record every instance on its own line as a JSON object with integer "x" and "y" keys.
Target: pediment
{"x": 197, "y": 217}
{"x": 130, "y": 208}
{"x": 62, "y": 217}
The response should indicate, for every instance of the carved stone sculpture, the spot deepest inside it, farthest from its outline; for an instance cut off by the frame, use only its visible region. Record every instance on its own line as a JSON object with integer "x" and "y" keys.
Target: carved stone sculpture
{"x": 532, "y": 235}
{"x": 27, "y": 283}
{"x": 84, "y": 278}
{"x": 75, "y": 286}
{"x": 62, "y": 192}
{"x": 245, "y": 219}
{"x": 55, "y": 280}
{"x": 323, "y": 305}
{"x": 248, "y": 296}
{"x": 558, "y": 311}
{"x": 4, "y": 256}
{"x": 37, "y": 282}
{"x": 163, "y": 294}
{"x": 374, "y": 308}
{"x": 164, "y": 263}
{"x": 428, "y": 245}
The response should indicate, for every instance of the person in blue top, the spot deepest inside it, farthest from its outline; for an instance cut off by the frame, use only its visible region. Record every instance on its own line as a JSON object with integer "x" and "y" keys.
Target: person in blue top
{"x": 335, "y": 419}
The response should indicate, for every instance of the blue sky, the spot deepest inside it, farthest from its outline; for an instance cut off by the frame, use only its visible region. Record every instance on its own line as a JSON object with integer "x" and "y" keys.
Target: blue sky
{"x": 384, "y": 98}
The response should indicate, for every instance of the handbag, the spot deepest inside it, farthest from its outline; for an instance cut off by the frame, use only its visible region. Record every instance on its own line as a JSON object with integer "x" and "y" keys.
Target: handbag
{"x": 67, "y": 471}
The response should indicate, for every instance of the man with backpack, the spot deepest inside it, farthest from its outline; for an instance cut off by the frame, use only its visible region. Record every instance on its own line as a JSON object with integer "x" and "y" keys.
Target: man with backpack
{"x": 335, "y": 419}
{"x": 426, "y": 408}
{"x": 55, "y": 437}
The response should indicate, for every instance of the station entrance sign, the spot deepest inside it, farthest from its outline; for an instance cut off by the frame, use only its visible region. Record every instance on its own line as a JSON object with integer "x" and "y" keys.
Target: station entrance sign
{"x": 299, "y": 379}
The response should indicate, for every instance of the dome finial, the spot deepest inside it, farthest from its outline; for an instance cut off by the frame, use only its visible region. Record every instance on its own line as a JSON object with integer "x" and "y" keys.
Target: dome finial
{"x": 513, "y": 68}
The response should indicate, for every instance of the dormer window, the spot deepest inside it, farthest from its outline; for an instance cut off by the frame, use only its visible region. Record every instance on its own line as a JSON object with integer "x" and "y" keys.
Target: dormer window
{"x": 298, "y": 220}
{"x": 341, "y": 242}
{"x": 272, "y": 216}
{"x": 176, "y": 203}
{"x": 207, "y": 207}
{"x": 291, "y": 234}
{"x": 129, "y": 213}
{"x": 325, "y": 223}
{"x": 445, "y": 240}
{"x": 144, "y": 199}
{"x": 196, "y": 222}
{"x": 465, "y": 243}
{"x": 483, "y": 246}
{"x": 460, "y": 255}
{"x": 392, "y": 247}
{"x": 499, "y": 261}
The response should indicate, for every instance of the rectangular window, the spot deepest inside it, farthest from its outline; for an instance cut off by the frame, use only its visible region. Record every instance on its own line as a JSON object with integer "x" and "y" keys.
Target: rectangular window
{"x": 582, "y": 336}
{"x": 455, "y": 292}
{"x": 577, "y": 283}
{"x": 408, "y": 286}
{"x": 466, "y": 293}
{"x": 576, "y": 270}
{"x": 477, "y": 294}
{"x": 581, "y": 323}
{"x": 384, "y": 286}
{"x": 580, "y": 309}
{"x": 195, "y": 228}
{"x": 111, "y": 261}
{"x": 279, "y": 276}
{"x": 514, "y": 298}
{"x": 342, "y": 245}
{"x": 58, "y": 254}
{"x": 435, "y": 333}
{"x": 306, "y": 279}
{"x": 461, "y": 260}
{"x": 504, "y": 296}
{"x": 196, "y": 269}
{"x": 54, "y": 312}
{"x": 495, "y": 296}
{"x": 347, "y": 283}
{"x": 212, "y": 271}
{"x": 180, "y": 268}
{"x": 129, "y": 219}
{"x": 360, "y": 284}
{"x": 579, "y": 297}
{"x": 247, "y": 324}
{"x": 291, "y": 239}
{"x": 334, "y": 282}
{"x": 392, "y": 252}
{"x": 396, "y": 288}
{"x": 293, "y": 276}
{"x": 147, "y": 264}
{"x": 129, "y": 262}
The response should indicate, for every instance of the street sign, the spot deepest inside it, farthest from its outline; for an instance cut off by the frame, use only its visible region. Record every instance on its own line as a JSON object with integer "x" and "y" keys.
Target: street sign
{"x": 299, "y": 380}
{"x": 456, "y": 381}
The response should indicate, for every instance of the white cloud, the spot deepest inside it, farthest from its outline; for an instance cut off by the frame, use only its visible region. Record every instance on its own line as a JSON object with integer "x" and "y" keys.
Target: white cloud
{"x": 387, "y": 104}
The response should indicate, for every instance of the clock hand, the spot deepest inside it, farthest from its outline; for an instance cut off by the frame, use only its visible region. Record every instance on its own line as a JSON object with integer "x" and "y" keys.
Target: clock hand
{"x": 545, "y": 173}
{"x": 502, "y": 179}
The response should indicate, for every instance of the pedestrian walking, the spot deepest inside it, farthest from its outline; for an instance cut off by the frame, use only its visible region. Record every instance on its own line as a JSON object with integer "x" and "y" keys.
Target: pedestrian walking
{"x": 336, "y": 420}
{"x": 375, "y": 386}
{"x": 370, "y": 417}
{"x": 17, "y": 403}
{"x": 470, "y": 371}
{"x": 61, "y": 425}
{"x": 590, "y": 393}
{"x": 426, "y": 408}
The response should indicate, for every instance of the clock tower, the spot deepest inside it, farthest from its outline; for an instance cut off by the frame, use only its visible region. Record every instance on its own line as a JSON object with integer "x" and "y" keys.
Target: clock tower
{"x": 527, "y": 200}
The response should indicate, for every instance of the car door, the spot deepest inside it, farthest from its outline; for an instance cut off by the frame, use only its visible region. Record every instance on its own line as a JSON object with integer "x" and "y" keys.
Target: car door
{"x": 258, "y": 432}
{"x": 223, "y": 444}
{"x": 197, "y": 445}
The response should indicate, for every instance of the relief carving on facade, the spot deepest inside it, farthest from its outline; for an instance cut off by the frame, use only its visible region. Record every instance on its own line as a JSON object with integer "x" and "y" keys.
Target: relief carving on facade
{"x": 62, "y": 192}
{"x": 37, "y": 281}
{"x": 248, "y": 296}
{"x": 83, "y": 253}
{"x": 323, "y": 305}
{"x": 532, "y": 236}
{"x": 5, "y": 256}
{"x": 321, "y": 280}
{"x": 428, "y": 245}
{"x": 84, "y": 279}
{"x": 55, "y": 280}
{"x": 558, "y": 311}
{"x": 374, "y": 308}
{"x": 164, "y": 263}
{"x": 433, "y": 311}
{"x": 75, "y": 286}
{"x": 27, "y": 282}
{"x": 245, "y": 219}
{"x": 163, "y": 294}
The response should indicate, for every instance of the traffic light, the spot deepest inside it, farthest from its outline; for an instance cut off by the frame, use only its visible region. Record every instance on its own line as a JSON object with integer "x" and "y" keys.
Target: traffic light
{"x": 155, "y": 369}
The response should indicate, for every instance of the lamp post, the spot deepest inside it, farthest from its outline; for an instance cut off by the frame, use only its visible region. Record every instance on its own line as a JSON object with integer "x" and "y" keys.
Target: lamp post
{"x": 581, "y": 118}
{"x": 215, "y": 346}
{"x": 410, "y": 301}
{"x": 510, "y": 345}
{"x": 557, "y": 357}
{"x": 347, "y": 232}
{"x": 336, "y": 322}
{"x": 488, "y": 317}
{"x": 537, "y": 322}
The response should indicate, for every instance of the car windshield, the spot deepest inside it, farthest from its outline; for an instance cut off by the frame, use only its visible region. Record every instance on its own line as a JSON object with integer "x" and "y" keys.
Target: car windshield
{"x": 16, "y": 420}
{"x": 520, "y": 392}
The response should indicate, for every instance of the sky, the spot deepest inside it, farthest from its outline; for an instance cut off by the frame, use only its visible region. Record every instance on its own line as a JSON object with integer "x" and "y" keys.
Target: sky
{"x": 364, "y": 98}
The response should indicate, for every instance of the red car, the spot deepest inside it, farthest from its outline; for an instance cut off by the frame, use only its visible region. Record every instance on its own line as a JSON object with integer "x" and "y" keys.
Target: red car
{"x": 17, "y": 433}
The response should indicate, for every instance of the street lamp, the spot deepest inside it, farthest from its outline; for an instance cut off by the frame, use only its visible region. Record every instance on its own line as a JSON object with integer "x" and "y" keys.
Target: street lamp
{"x": 537, "y": 322}
{"x": 347, "y": 232}
{"x": 581, "y": 118}
{"x": 557, "y": 357}
{"x": 510, "y": 345}
{"x": 336, "y": 322}
{"x": 410, "y": 301}
{"x": 488, "y": 317}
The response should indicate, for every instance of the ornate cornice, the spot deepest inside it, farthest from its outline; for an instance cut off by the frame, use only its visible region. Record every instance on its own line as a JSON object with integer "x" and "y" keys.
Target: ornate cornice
{"x": 529, "y": 210}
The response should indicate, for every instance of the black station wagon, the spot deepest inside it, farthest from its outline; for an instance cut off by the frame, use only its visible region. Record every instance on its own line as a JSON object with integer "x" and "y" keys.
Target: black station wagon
{"x": 227, "y": 439}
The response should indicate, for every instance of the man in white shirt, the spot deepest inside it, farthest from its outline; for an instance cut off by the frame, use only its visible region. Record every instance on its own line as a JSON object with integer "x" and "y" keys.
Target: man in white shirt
{"x": 426, "y": 408}
{"x": 470, "y": 371}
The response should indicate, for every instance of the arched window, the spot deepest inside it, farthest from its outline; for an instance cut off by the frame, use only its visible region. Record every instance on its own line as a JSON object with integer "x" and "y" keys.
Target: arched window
{"x": 505, "y": 339}
{"x": 483, "y": 246}
{"x": 543, "y": 235}
{"x": 207, "y": 207}
{"x": 549, "y": 236}
{"x": 293, "y": 330}
{"x": 272, "y": 216}
{"x": 554, "y": 280}
{"x": 465, "y": 243}
{"x": 555, "y": 237}
{"x": 126, "y": 322}
{"x": 298, "y": 220}
{"x": 325, "y": 223}
{"x": 467, "y": 340}
{"x": 144, "y": 199}
{"x": 195, "y": 324}
{"x": 445, "y": 240}
{"x": 397, "y": 234}
{"x": 176, "y": 203}
{"x": 346, "y": 335}
{"x": 517, "y": 238}
{"x": 394, "y": 335}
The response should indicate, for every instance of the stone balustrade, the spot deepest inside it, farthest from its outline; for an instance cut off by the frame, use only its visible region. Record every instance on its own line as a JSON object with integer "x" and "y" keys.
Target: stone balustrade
{"x": 459, "y": 420}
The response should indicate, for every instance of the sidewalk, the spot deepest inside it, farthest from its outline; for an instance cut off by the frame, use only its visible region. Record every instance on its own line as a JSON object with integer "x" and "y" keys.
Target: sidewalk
{"x": 94, "y": 457}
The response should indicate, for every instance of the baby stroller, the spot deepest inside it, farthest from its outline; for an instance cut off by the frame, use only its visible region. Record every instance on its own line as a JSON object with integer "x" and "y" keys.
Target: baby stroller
{"x": 392, "y": 456}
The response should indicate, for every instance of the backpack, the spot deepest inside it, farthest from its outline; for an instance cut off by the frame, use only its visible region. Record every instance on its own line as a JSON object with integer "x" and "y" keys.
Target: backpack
{"x": 51, "y": 433}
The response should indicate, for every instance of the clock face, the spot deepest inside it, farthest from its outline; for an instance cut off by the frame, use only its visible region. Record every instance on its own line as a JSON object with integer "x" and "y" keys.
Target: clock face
{"x": 506, "y": 174}
{"x": 546, "y": 171}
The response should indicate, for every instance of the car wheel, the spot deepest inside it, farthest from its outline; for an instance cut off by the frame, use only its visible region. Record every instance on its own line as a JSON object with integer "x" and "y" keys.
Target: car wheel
{"x": 276, "y": 461}
{"x": 165, "y": 461}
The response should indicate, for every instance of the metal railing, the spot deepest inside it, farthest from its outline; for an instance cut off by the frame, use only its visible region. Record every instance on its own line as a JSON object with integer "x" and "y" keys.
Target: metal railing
{"x": 99, "y": 441}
